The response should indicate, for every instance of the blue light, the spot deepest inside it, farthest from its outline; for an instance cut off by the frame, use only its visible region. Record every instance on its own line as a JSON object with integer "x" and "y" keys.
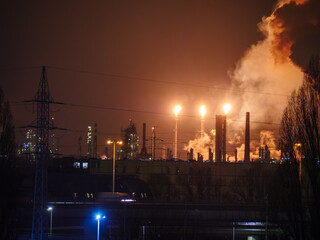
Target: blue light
{"x": 128, "y": 200}
{"x": 98, "y": 217}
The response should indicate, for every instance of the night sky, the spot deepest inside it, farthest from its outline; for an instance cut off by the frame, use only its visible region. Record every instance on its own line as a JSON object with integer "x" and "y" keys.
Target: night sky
{"x": 140, "y": 56}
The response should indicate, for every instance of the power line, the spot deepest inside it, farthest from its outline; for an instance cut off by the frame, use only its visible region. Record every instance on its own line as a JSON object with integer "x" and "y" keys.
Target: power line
{"x": 119, "y": 76}
{"x": 153, "y": 112}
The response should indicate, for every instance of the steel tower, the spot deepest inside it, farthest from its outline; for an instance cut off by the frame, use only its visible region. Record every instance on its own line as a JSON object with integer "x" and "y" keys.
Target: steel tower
{"x": 43, "y": 100}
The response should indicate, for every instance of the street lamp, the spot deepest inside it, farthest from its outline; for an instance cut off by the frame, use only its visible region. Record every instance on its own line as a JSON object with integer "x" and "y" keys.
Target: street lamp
{"x": 176, "y": 110}
{"x": 114, "y": 161}
{"x": 50, "y": 209}
{"x": 98, "y": 217}
{"x": 299, "y": 148}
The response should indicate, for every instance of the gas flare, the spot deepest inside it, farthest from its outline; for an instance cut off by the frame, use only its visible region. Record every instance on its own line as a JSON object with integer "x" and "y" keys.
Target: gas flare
{"x": 226, "y": 108}
{"x": 203, "y": 111}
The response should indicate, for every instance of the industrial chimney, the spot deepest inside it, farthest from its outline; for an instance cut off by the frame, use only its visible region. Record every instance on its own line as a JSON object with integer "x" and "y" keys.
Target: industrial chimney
{"x": 144, "y": 149}
{"x": 247, "y": 139}
{"x": 220, "y": 149}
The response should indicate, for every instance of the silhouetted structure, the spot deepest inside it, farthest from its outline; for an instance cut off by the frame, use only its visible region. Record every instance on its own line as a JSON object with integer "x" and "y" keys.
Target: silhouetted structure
{"x": 95, "y": 141}
{"x": 247, "y": 139}
{"x": 153, "y": 143}
{"x": 131, "y": 139}
{"x": 235, "y": 155}
{"x": 143, "y": 152}
{"x": 190, "y": 155}
{"x": 220, "y": 150}
{"x": 210, "y": 155}
{"x": 43, "y": 100}
{"x": 200, "y": 157}
{"x": 89, "y": 140}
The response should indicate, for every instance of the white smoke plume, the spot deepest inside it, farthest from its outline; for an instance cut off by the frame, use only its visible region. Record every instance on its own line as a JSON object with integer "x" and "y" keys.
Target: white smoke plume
{"x": 267, "y": 74}
{"x": 202, "y": 144}
{"x": 269, "y": 71}
{"x": 266, "y": 138}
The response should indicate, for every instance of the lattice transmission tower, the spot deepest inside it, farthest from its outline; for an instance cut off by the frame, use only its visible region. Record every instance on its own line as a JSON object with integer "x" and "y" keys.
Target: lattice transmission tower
{"x": 43, "y": 126}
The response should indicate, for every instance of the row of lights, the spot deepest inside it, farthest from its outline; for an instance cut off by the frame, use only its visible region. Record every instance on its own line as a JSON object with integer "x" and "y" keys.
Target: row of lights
{"x": 98, "y": 218}
{"x": 176, "y": 110}
{"x": 226, "y": 108}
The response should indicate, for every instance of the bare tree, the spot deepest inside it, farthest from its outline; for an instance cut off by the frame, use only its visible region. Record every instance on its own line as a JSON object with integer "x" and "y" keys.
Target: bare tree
{"x": 300, "y": 127}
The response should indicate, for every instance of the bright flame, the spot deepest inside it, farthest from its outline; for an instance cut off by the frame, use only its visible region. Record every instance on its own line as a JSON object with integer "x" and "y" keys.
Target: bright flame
{"x": 226, "y": 108}
{"x": 203, "y": 110}
{"x": 177, "y": 110}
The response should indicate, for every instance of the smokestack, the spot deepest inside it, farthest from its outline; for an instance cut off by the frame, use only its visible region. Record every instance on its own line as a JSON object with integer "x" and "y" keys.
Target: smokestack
{"x": 210, "y": 155}
{"x": 143, "y": 152}
{"x": 220, "y": 150}
{"x": 190, "y": 155}
{"x": 153, "y": 143}
{"x": 247, "y": 139}
{"x": 224, "y": 137}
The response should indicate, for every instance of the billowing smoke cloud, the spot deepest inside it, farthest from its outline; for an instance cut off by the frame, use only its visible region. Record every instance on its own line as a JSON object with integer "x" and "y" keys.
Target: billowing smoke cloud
{"x": 272, "y": 68}
{"x": 202, "y": 144}
{"x": 267, "y": 141}
{"x": 300, "y": 30}
{"x": 266, "y": 73}
{"x": 269, "y": 71}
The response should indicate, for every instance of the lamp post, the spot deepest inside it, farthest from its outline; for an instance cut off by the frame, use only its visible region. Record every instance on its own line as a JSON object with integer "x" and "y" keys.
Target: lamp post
{"x": 114, "y": 161}
{"x": 50, "y": 209}
{"x": 176, "y": 110}
{"x": 98, "y": 217}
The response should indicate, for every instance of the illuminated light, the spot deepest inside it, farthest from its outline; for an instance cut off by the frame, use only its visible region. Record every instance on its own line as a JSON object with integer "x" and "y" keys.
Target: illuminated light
{"x": 128, "y": 200}
{"x": 250, "y": 223}
{"x": 120, "y": 142}
{"x": 203, "y": 110}
{"x": 98, "y": 217}
{"x": 49, "y": 209}
{"x": 177, "y": 109}
{"x": 109, "y": 142}
{"x": 226, "y": 108}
